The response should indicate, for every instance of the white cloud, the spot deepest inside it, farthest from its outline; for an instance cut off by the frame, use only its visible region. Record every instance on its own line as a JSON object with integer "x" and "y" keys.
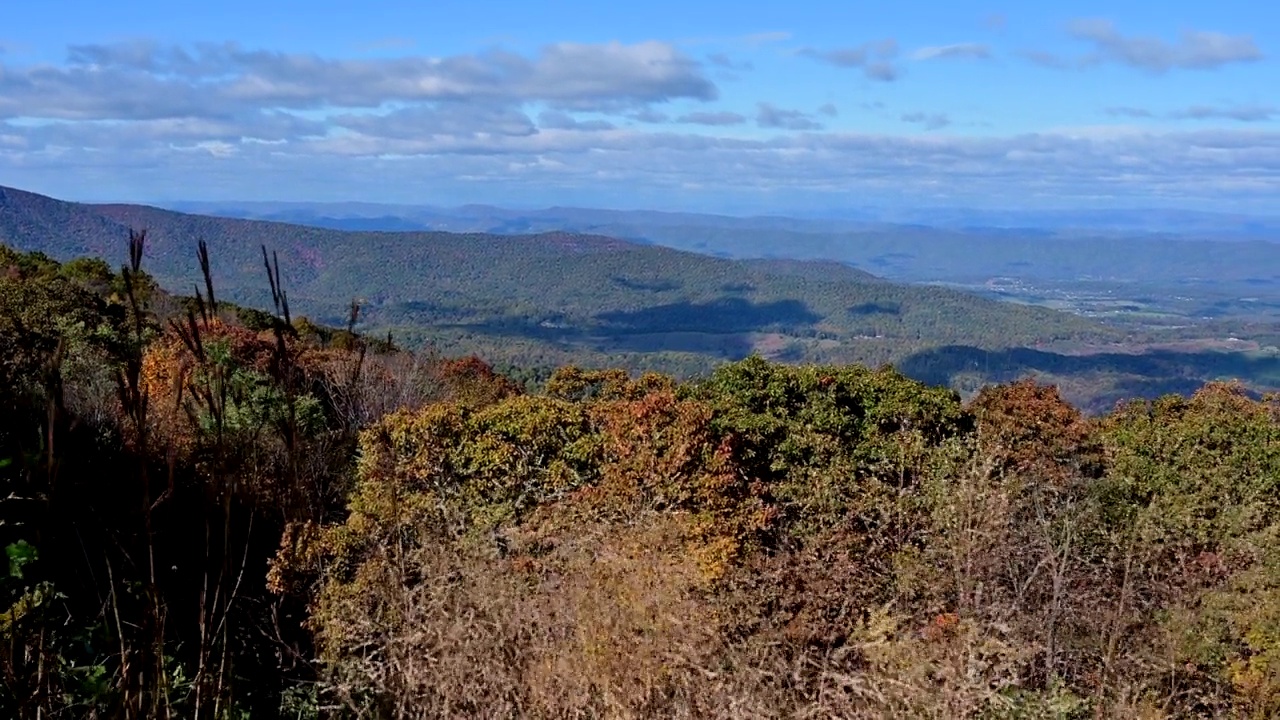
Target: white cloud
{"x": 441, "y": 119}
{"x": 142, "y": 80}
{"x": 771, "y": 116}
{"x": 958, "y": 51}
{"x": 875, "y": 59}
{"x": 1241, "y": 113}
{"x": 1130, "y": 112}
{"x": 1194, "y": 49}
{"x": 712, "y": 118}
{"x": 1123, "y": 164}
{"x": 930, "y": 121}
{"x": 557, "y": 120}
{"x": 222, "y": 121}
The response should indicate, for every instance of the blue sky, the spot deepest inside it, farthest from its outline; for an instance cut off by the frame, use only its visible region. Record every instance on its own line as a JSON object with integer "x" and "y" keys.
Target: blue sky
{"x": 718, "y": 106}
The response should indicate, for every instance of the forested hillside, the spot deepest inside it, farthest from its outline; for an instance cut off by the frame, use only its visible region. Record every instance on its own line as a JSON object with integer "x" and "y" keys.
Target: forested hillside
{"x": 554, "y": 289}
{"x": 1163, "y": 248}
{"x": 220, "y": 512}
{"x": 536, "y": 302}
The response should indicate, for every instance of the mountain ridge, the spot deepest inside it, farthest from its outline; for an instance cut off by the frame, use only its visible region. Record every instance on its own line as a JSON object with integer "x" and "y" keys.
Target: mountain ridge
{"x": 555, "y": 298}
{"x": 1219, "y": 255}
{"x": 595, "y": 283}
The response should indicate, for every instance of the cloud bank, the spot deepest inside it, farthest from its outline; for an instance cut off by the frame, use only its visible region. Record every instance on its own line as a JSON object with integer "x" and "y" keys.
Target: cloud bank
{"x": 610, "y": 123}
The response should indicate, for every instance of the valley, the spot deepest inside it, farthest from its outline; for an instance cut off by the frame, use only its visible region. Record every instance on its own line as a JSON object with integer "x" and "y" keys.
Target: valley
{"x": 570, "y": 291}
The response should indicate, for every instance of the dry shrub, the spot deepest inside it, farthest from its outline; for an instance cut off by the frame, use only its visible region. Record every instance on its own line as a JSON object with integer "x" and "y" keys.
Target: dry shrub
{"x": 609, "y": 623}
{"x": 822, "y": 631}
{"x": 620, "y": 621}
{"x": 626, "y": 551}
{"x": 625, "y": 630}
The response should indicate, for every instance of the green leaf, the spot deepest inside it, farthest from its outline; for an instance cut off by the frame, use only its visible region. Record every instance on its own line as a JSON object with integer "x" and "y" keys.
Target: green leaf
{"x": 20, "y": 554}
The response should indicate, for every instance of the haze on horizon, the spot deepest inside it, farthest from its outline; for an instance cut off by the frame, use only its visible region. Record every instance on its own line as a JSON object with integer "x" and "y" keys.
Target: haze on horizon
{"x": 714, "y": 106}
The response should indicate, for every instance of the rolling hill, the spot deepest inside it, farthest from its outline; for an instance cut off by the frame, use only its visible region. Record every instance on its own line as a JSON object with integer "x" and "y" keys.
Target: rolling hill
{"x": 1159, "y": 247}
{"x": 553, "y": 288}
{"x": 536, "y": 301}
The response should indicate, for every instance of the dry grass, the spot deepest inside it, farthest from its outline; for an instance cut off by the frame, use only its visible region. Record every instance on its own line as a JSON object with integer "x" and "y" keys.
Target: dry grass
{"x": 621, "y": 622}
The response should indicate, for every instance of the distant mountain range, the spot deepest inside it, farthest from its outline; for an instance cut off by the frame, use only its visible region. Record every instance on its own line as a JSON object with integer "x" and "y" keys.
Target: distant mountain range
{"x": 1162, "y": 248}
{"x": 553, "y": 288}
{"x": 678, "y": 293}
{"x": 1186, "y": 224}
